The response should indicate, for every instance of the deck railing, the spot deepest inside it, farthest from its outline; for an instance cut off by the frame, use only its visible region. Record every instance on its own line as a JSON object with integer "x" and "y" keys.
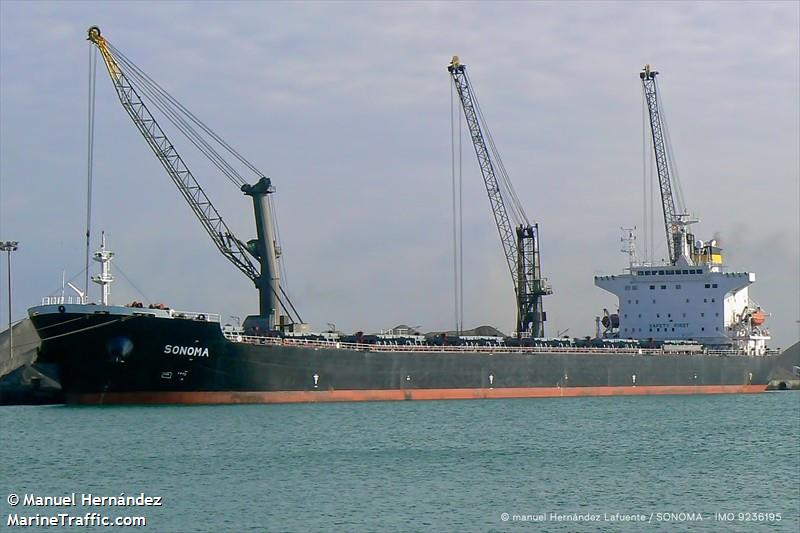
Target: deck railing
{"x": 317, "y": 344}
{"x": 61, "y": 300}
{"x": 173, "y": 313}
{"x": 192, "y": 315}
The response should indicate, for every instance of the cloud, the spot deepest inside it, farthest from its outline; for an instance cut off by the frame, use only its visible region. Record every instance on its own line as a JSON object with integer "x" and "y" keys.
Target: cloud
{"x": 346, "y": 107}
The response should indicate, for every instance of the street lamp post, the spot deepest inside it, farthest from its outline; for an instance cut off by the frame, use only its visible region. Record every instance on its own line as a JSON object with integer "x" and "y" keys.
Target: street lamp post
{"x": 8, "y": 247}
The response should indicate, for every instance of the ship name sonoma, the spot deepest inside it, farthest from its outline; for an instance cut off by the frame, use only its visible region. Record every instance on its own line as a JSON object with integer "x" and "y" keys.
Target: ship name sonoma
{"x": 197, "y": 351}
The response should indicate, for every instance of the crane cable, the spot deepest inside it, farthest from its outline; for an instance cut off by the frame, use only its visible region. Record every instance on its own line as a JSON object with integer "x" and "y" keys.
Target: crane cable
{"x": 507, "y": 188}
{"x": 505, "y": 184}
{"x": 182, "y": 118}
{"x": 90, "y": 157}
{"x": 653, "y": 206}
{"x": 455, "y": 207}
{"x": 188, "y": 113}
{"x": 162, "y": 101}
{"x": 458, "y": 234}
{"x": 188, "y": 124}
{"x": 648, "y": 178}
{"x": 645, "y": 245}
{"x": 460, "y": 226}
{"x": 281, "y": 265}
{"x": 681, "y": 207}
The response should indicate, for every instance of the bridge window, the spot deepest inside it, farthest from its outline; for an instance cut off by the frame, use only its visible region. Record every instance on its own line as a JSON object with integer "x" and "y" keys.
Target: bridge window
{"x": 663, "y": 287}
{"x": 661, "y": 272}
{"x": 702, "y": 314}
{"x": 708, "y": 285}
{"x": 714, "y": 285}
{"x": 677, "y": 287}
{"x": 685, "y": 271}
{"x": 652, "y": 287}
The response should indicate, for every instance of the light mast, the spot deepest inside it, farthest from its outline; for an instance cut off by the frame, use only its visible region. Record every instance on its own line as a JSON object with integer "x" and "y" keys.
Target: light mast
{"x": 104, "y": 279}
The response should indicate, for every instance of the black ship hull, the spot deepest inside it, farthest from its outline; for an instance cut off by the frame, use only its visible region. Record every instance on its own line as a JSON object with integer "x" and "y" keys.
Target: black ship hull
{"x": 105, "y": 357}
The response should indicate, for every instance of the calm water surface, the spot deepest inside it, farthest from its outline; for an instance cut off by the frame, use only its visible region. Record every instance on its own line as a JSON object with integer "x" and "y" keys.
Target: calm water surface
{"x": 416, "y": 466}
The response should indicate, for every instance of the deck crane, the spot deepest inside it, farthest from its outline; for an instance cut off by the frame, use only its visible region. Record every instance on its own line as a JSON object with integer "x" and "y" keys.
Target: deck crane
{"x": 257, "y": 258}
{"x": 521, "y": 241}
{"x": 676, "y": 220}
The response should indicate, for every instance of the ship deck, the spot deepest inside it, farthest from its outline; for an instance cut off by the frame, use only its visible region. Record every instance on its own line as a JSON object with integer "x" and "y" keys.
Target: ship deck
{"x": 472, "y": 348}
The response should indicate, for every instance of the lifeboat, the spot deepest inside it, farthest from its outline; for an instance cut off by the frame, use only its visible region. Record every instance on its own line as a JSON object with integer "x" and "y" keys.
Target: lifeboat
{"x": 758, "y": 317}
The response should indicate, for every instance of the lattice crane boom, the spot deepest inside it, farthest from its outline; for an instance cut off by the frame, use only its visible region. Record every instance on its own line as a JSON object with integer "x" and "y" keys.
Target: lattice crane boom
{"x": 499, "y": 210}
{"x": 674, "y": 222}
{"x": 520, "y": 243}
{"x": 255, "y": 259}
{"x": 172, "y": 162}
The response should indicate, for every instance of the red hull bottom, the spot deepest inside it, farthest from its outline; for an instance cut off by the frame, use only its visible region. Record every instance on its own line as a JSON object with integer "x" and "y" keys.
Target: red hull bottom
{"x": 396, "y": 394}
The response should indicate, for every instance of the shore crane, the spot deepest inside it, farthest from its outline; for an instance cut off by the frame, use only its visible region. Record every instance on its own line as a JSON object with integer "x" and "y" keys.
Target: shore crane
{"x": 257, "y": 258}
{"x": 521, "y": 240}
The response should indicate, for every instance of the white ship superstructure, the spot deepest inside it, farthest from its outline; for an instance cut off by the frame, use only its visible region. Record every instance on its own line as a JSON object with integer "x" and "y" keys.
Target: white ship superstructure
{"x": 690, "y": 298}
{"x": 694, "y": 300}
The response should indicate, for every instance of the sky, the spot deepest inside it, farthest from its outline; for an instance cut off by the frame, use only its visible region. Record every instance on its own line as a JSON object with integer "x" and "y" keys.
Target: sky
{"x": 346, "y": 107}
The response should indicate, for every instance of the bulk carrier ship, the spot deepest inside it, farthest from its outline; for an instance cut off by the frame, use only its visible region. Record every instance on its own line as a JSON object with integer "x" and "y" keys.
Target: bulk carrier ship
{"x": 683, "y": 327}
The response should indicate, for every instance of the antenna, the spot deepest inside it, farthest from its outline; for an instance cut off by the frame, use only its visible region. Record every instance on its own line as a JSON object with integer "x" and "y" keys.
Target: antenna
{"x": 629, "y": 240}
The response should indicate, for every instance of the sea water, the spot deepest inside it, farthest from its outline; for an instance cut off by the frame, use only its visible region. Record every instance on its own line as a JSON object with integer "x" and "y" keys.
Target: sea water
{"x": 661, "y": 463}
